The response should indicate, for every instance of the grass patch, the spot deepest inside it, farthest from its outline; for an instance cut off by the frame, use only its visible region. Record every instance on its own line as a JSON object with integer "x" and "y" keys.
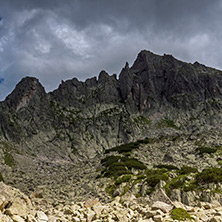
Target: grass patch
{"x": 180, "y": 214}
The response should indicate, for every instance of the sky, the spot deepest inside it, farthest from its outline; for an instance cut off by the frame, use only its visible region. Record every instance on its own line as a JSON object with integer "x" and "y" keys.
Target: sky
{"x": 56, "y": 40}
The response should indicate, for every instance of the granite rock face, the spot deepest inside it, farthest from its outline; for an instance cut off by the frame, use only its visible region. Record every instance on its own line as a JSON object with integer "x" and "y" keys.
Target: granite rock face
{"x": 157, "y": 96}
{"x": 153, "y": 85}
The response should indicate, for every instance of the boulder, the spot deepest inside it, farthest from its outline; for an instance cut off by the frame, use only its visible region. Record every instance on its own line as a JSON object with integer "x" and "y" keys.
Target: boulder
{"x": 41, "y": 216}
{"x": 162, "y": 206}
{"x": 17, "y": 218}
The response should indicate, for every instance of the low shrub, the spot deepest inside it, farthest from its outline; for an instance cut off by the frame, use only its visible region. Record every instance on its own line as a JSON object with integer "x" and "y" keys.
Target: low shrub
{"x": 116, "y": 172}
{"x": 156, "y": 171}
{"x": 153, "y": 180}
{"x": 155, "y": 176}
{"x": 116, "y": 165}
{"x": 123, "y": 179}
{"x": 144, "y": 141}
{"x": 180, "y": 214}
{"x": 167, "y": 166}
{"x": 132, "y": 163}
{"x": 109, "y": 160}
{"x": 187, "y": 170}
{"x": 191, "y": 186}
{"x": 124, "y": 148}
{"x": 211, "y": 175}
{"x": 176, "y": 183}
{"x": 128, "y": 147}
{"x": 204, "y": 149}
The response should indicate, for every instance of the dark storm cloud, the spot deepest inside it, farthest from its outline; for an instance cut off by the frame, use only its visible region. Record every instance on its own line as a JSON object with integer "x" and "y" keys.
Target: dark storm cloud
{"x": 60, "y": 39}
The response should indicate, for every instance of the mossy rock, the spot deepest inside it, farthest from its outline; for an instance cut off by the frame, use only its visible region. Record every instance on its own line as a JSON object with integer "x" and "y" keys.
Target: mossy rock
{"x": 180, "y": 214}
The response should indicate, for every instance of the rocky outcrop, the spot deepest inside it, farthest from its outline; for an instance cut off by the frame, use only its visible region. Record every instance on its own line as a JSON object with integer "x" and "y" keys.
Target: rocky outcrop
{"x": 25, "y": 111}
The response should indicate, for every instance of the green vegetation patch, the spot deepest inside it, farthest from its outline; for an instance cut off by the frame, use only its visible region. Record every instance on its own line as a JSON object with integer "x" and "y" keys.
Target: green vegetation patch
{"x": 109, "y": 189}
{"x": 116, "y": 166}
{"x": 203, "y": 149}
{"x": 142, "y": 120}
{"x": 128, "y": 147}
{"x": 123, "y": 179}
{"x": 191, "y": 186}
{"x": 155, "y": 176}
{"x": 211, "y": 175}
{"x": 177, "y": 182}
{"x": 9, "y": 159}
{"x": 7, "y": 156}
{"x": 187, "y": 170}
{"x": 1, "y": 177}
{"x": 180, "y": 214}
{"x": 124, "y": 148}
{"x": 166, "y": 123}
{"x": 167, "y": 166}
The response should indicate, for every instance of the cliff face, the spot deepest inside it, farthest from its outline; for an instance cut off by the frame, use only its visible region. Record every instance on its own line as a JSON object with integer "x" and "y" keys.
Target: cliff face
{"x": 157, "y": 81}
{"x": 81, "y": 119}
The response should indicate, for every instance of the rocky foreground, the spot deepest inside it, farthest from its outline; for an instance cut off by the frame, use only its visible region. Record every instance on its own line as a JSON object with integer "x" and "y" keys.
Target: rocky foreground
{"x": 18, "y": 207}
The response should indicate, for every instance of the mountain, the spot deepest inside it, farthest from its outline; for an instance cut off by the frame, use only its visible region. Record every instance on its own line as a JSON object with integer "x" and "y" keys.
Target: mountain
{"x": 67, "y": 132}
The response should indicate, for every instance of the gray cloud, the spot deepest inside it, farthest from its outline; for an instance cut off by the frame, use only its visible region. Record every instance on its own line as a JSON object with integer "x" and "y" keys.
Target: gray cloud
{"x": 55, "y": 40}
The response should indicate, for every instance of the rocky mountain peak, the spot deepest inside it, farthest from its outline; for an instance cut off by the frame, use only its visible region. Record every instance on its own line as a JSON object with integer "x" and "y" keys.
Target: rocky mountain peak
{"x": 28, "y": 89}
{"x": 103, "y": 75}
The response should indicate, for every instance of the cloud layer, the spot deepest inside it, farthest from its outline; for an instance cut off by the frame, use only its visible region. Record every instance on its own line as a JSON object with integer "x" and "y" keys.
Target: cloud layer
{"x": 55, "y": 40}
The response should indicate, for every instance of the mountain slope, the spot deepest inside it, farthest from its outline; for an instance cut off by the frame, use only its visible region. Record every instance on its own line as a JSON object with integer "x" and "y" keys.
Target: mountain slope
{"x": 158, "y": 97}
